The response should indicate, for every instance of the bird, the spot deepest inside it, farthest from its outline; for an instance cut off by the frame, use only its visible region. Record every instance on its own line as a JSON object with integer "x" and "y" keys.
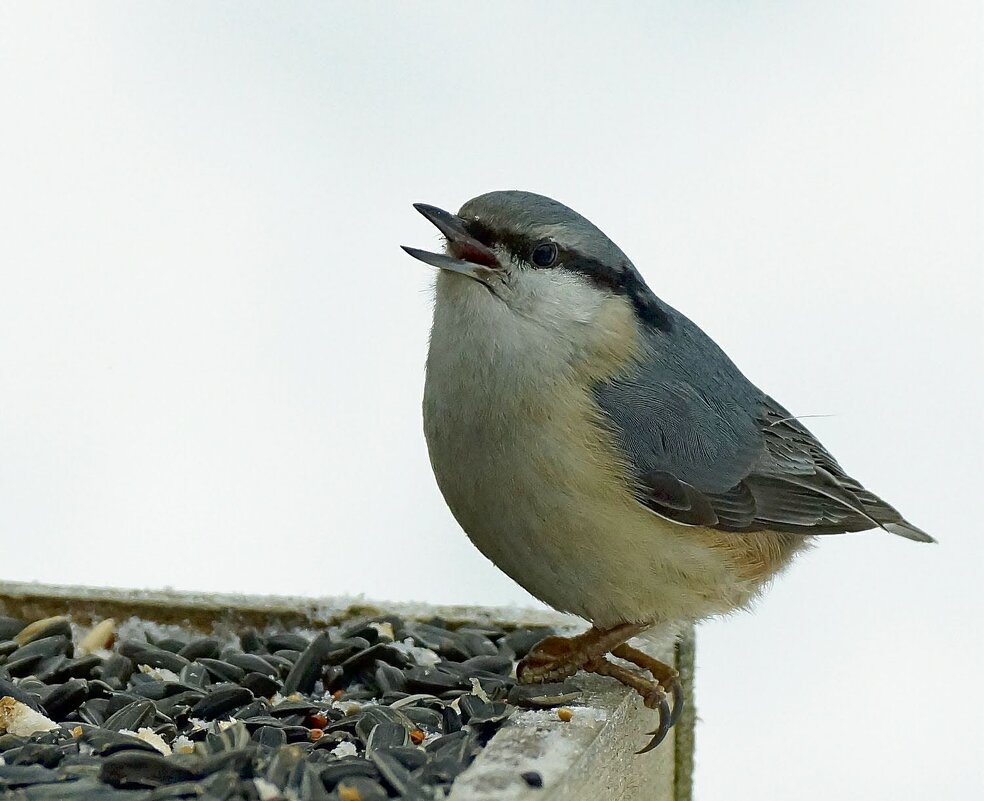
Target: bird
{"x": 603, "y": 451}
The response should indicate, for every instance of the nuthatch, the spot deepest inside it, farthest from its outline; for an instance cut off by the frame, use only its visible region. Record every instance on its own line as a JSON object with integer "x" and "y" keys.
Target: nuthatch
{"x": 602, "y": 450}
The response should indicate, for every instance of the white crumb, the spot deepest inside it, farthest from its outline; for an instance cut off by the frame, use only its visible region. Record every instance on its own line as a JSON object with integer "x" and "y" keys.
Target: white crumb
{"x": 384, "y": 630}
{"x": 18, "y": 718}
{"x": 148, "y": 735}
{"x": 478, "y": 690}
{"x": 266, "y": 790}
{"x": 348, "y": 707}
{"x": 161, "y": 674}
{"x": 422, "y": 657}
{"x": 345, "y": 749}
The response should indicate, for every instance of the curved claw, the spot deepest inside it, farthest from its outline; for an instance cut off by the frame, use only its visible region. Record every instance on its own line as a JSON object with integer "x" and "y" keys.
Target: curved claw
{"x": 660, "y": 732}
{"x": 678, "y": 702}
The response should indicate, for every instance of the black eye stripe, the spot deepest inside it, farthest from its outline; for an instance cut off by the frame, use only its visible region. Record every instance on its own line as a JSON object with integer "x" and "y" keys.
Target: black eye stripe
{"x": 623, "y": 281}
{"x": 481, "y": 232}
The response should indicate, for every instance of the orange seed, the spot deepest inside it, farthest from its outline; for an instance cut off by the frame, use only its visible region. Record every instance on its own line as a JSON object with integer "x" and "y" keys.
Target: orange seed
{"x": 346, "y": 793}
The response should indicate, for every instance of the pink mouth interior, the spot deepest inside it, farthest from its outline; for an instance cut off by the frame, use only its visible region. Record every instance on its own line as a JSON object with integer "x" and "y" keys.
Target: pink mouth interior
{"x": 474, "y": 252}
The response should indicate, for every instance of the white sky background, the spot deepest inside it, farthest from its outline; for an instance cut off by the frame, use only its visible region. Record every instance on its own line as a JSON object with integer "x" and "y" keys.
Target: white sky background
{"x": 211, "y": 347}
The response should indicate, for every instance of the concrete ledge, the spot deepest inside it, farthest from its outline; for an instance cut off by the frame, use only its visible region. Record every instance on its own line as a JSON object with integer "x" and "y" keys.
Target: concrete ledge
{"x": 590, "y": 757}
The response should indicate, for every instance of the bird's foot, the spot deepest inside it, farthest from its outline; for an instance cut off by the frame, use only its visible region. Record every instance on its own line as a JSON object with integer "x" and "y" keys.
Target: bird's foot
{"x": 666, "y": 681}
{"x": 551, "y": 659}
{"x": 556, "y": 658}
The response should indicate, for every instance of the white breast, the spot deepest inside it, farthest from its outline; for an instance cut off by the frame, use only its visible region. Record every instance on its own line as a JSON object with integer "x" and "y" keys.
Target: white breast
{"x": 530, "y": 475}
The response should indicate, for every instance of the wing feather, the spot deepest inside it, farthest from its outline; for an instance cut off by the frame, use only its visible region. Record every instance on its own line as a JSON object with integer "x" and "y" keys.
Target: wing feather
{"x": 708, "y": 448}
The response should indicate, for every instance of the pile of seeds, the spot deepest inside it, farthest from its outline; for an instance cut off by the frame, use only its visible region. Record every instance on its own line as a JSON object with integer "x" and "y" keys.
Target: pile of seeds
{"x": 371, "y": 709}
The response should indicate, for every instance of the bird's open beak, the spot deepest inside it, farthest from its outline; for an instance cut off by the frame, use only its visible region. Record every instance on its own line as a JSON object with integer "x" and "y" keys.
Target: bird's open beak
{"x": 466, "y": 255}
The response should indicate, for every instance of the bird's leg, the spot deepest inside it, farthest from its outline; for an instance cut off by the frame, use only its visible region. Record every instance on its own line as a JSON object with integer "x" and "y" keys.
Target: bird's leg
{"x": 555, "y": 658}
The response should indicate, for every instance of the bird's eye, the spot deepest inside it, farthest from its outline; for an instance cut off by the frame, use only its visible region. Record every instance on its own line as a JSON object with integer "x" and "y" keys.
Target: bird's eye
{"x": 544, "y": 254}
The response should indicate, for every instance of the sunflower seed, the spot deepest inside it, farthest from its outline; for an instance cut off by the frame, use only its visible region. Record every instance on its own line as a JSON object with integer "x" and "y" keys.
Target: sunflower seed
{"x": 207, "y": 647}
{"x": 220, "y": 701}
{"x": 65, "y": 698}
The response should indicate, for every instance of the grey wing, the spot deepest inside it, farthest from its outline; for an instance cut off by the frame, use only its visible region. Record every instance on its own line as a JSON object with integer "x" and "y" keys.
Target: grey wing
{"x": 708, "y": 448}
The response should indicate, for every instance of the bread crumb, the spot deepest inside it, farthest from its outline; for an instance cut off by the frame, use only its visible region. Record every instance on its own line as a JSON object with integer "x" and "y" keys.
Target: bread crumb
{"x": 20, "y": 719}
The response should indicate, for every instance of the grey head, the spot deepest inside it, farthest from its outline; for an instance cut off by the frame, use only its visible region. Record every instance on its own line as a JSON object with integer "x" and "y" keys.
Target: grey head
{"x": 509, "y": 238}
{"x": 706, "y": 446}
